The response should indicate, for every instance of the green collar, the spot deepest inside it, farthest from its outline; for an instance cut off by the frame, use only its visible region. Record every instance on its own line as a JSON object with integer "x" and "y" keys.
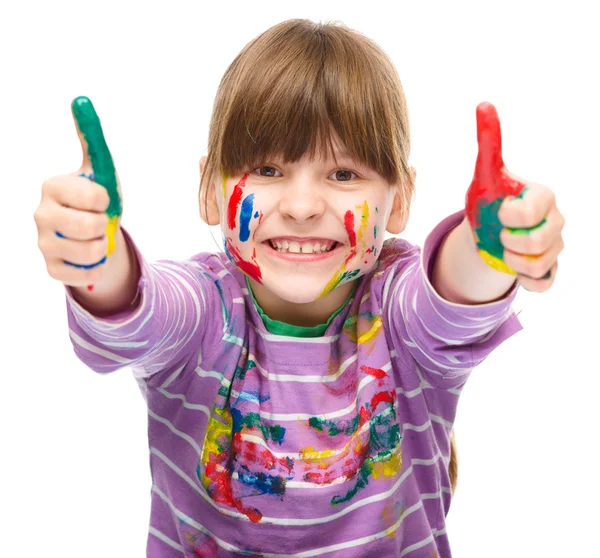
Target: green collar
{"x": 281, "y": 328}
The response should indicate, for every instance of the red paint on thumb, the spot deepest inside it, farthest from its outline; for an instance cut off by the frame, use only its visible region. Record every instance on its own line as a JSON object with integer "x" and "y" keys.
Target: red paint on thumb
{"x": 489, "y": 139}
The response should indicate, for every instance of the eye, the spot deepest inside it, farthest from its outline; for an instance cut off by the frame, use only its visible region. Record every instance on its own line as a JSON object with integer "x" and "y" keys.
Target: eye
{"x": 343, "y": 175}
{"x": 267, "y": 171}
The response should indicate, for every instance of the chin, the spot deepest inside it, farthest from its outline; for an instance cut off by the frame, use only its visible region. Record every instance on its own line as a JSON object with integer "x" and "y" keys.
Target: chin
{"x": 296, "y": 292}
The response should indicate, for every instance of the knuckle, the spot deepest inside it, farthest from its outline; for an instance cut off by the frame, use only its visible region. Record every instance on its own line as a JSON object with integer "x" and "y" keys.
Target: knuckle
{"x": 43, "y": 245}
{"x": 92, "y": 275}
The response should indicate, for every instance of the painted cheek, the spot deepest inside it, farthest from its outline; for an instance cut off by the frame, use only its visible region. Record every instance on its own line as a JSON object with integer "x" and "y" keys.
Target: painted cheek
{"x": 234, "y": 202}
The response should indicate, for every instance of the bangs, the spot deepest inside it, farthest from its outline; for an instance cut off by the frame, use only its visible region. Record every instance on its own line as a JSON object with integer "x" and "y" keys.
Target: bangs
{"x": 296, "y": 87}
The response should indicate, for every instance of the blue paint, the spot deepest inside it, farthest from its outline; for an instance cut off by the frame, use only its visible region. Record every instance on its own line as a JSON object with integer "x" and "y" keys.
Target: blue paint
{"x": 224, "y": 309}
{"x": 89, "y": 266}
{"x": 227, "y": 252}
{"x": 256, "y": 215}
{"x": 245, "y": 217}
{"x": 91, "y": 177}
{"x": 375, "y": 231}
{"x": 253, "y": 396}
{"x": 264, "y": 484}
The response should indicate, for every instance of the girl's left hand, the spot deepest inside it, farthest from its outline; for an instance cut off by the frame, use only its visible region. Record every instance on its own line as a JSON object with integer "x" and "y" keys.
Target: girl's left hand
{"x": 532, "y": 238}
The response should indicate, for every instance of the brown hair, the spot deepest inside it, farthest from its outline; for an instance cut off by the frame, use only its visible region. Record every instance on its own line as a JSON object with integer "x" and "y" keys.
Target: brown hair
{"x": 296, "y": 85}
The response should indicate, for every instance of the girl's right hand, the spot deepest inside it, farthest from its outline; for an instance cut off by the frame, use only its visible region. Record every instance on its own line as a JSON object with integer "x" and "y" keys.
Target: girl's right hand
{"x": 73, "y": 218}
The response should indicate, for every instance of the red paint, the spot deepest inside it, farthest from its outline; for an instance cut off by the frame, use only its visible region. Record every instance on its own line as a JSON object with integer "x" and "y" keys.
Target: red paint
{"x": 220, "y": 489}
{"x": 349, "y": 222}
{"x": 490, "y": 180}
{"x": 250, "y": 268}
{"x": 90, "y": 288}
{"x": 383, "y": 396}
{"x": 377, "y": 373}
{"x": 234, "y": 202}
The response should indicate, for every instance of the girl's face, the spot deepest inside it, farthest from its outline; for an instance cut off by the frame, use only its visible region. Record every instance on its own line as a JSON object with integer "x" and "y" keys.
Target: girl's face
{"x": 303, "y": 229}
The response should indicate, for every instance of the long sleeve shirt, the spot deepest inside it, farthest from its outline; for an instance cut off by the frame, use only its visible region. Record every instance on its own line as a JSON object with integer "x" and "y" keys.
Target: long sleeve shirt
{"x": 276, "y": 445}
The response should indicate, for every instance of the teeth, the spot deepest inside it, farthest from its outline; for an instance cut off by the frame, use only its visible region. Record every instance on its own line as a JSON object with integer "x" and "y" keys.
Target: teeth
{"x": 304, "y": 248}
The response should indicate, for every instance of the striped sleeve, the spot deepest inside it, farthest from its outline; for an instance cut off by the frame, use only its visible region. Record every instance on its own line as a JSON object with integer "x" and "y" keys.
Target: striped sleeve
{"x": 160, "y": 333}
{"x": 445, "y": 339}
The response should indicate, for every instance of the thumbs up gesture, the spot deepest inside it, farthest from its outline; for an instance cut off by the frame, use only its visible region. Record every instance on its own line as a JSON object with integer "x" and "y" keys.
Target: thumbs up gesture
{"x": 516, "y": 224}
{"x": 79, "y": 214}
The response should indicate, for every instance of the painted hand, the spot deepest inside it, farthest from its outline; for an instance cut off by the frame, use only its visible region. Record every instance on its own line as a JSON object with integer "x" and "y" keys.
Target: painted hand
{"x": 97, "y": 163}
{"x": 516, "y": 224}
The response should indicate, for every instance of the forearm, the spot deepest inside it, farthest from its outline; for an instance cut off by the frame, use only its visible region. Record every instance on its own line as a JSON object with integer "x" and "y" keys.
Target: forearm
{"x": 459, "y": 273}
{"x": 117, "y": 289}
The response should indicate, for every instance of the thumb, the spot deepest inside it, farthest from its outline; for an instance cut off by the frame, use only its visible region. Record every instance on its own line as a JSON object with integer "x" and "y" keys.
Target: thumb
{"x": 98, "y": 162}
{"x": 96, "y": 155}
{"x": 489, "y": 140}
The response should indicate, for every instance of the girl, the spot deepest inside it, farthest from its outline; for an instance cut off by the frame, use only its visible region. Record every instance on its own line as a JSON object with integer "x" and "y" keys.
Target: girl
{"x": 301, "y": 388}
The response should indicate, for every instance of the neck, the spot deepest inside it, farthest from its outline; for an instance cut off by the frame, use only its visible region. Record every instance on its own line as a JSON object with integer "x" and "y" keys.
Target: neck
{"x": 307, "y": 314}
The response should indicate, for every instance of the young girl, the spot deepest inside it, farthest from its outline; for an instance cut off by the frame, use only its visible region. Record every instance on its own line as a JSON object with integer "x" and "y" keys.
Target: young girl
{"x": 302, "y": 387}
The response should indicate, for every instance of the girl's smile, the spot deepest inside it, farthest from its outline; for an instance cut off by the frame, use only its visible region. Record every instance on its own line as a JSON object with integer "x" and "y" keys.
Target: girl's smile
{"x": 301, "y": 249}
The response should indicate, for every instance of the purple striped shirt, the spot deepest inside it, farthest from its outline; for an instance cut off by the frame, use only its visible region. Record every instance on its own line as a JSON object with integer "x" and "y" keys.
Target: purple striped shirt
{"x": 267, "y": 445}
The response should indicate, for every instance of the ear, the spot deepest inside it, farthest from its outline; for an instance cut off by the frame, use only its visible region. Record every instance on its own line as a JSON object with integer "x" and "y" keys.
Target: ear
{"x": 209, "y": 206}
{"x": 398, "y": 218}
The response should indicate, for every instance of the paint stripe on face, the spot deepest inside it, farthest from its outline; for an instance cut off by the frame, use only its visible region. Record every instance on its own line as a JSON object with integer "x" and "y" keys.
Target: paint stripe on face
{"x": 349, "y": 223}
{"x": 234, "y": 202}
{"x": 246, "y": 217}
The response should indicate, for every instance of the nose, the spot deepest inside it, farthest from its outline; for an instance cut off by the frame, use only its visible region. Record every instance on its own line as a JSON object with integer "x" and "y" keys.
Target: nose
{"x": 302, "y": 200}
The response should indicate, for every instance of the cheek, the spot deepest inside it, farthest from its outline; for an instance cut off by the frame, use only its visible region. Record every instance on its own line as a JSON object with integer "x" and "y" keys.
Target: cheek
{"x": 242, "y": 215}
{"x": 368, "y": 234}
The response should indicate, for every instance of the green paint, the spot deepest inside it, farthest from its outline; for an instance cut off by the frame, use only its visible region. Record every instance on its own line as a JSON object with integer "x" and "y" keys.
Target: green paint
{"x": 334, "y": 428}
{"x": 382, "y": 444}
{"x": 526, "y": 230}
{"x": 375, "y": 231}
{"x": 252, "y": 420}
{"x": 241, "y": 372}
{"x": 100, "y": 158}
{"x": 488, "y": 232}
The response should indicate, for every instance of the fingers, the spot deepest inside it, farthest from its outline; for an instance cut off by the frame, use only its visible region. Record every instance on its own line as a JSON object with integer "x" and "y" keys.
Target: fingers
{"x": 489, "y": 139}
{"x": 96, "y": 155}
{"x": 76, "y": 192}
{"x": 80, "y": 253}
{"x": 536, "y": 240}
{"x": 529, "y": 209}
{"x": 539, "y": 285}
{"x": 531, "y": 266}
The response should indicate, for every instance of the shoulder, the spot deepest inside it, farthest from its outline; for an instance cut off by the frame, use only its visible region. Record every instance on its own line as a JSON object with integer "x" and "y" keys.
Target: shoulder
{"x": 397, "y": 253}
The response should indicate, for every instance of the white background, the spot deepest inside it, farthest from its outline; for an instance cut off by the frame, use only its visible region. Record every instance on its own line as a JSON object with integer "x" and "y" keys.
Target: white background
{"x": 74, "y": 467}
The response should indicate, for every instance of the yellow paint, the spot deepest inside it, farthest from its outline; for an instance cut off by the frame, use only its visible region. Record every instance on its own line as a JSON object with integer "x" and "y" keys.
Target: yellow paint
{"x": 333, "y": 281}
{"x": 389, "y": 468}
{"x": 215, "y": 430}
{"x": 368, "y": 335}
{"x": 111, "y": 233}
{"x": 224, "y": 186}
{"x": 364, "y": 221}
{"x": 496, "y": 263}
{"x": 311, "y": 455}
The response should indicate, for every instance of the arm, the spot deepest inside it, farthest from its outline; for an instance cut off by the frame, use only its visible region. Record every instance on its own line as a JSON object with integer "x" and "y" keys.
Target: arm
{"x": 460, "y": 274}
{"x": 519, "y": 236}
{"x": 117, "y": 289}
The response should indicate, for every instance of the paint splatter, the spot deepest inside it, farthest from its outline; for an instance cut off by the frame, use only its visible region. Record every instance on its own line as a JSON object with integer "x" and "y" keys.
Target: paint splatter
{"x": 234, "y": 202}
{"x": 249, "y": 268}
{"x": 349, "y": 224}
{"x": 246, "y": 217}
